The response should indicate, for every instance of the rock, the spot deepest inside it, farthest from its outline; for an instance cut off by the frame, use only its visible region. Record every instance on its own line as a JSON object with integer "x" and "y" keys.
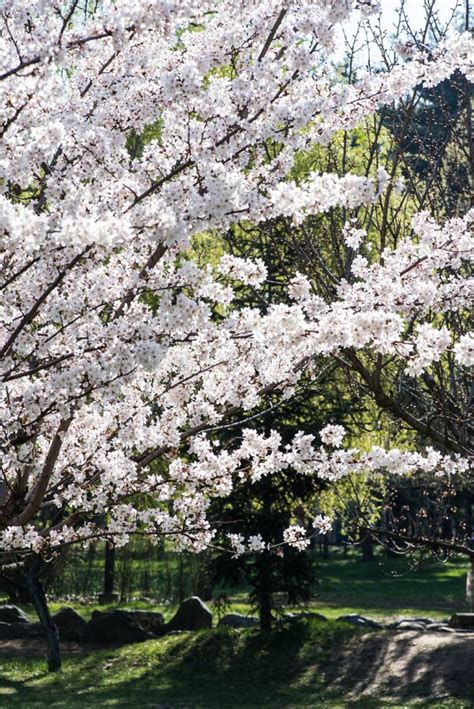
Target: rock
{"x": 410, "y": 625}
{"x": 462, "y": 620}
{"x": 115, "y": 626}
{"x": 20, "y": 631}
{"x": 306, "y": 615}
{"x": 436, "y": 626}
{"x": 237, "y": 620}
{"x": 192, "y": 614}
{"x": 360, "y": 621}
{"x": 425, "y": 621}
{"x": 421, "y": 621}
{"x": 107, "y": 599}
{"x": 69, "y": 623}
{"x": 151, "y": 621}
{"x": 12, "y": 614}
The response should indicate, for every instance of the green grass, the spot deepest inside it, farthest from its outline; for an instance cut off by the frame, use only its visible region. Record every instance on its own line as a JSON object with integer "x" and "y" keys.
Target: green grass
{"x": 226, "y": 669}
{"x": 215, "y": 669}
{"x": 388, "y": 587}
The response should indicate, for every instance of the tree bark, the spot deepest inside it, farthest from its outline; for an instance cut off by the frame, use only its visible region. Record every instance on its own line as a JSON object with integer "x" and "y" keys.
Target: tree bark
{"x": 265, "y": 592}
{"x": 109, "y": 569}
{"x": 367, "y": 546}
{"x": 40, "y": 603}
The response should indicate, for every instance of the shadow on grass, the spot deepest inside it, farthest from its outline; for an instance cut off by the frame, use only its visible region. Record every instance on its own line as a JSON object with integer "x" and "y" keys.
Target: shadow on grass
{"x": 309, "y": 664}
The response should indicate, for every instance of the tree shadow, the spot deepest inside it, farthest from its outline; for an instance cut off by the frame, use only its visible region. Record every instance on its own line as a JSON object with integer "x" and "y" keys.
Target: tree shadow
{"x": 403, "y": 666}
{"x": 300, "y": 666}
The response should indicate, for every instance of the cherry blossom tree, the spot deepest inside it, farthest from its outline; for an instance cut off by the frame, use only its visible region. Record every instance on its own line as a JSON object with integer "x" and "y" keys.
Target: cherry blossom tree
{"x": 120, "y": 355}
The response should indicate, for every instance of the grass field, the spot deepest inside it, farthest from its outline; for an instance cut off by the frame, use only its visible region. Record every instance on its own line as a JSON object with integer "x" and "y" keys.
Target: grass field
{"x": 224, "y": 668}
{"x": 217, "y": 669}
{"x": 388, "y": 587}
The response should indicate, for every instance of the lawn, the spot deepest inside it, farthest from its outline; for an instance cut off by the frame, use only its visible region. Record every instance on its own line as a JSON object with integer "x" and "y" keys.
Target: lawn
{"x": 387, "y": 586}
{"x": 224, "y": 668}
{"x": 217, "y": 669}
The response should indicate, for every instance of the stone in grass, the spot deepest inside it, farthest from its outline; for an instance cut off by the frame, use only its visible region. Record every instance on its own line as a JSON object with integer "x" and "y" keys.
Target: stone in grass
{"x": 305, "y": 615}
{"x": 20, "y": 631}
{"x": 69, "y": 623}
{"x": 410, "y": 625}
{"x": 436, "y": 625}
{"x": 116, "y": 627}
{"x": 420, "y": 621}
{"x": 12, "y": 614}
{"x": 360, "y": 621}
{"x": 462, "y": 620}
{"x": 424, "y": 621}
{"x": 237, "y": 620}
{"x": 151, "y": 621}
{"x": 192, "y": 614}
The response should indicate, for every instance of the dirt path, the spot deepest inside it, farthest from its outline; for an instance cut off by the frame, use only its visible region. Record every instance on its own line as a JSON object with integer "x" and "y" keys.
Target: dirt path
{"x": 406, "y": 665}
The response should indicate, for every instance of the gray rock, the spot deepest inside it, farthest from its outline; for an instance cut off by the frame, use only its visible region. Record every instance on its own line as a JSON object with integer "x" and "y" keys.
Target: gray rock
{"x": 360, "y": 621}
{"x": 20, "y": 631}
{"x": 422, "y": 621}
{"x": 306, "y": 615}
{"x": 192, "y": 614}
{"x": 12, "y": 614}
{"x": 237, "y": 620}
{"x": 108, "y": 599}
{"x": 436, "y": 626}
{"x": 426, "y": 621}
{"x": 69, "y": 623}
{"x": 462, "y": 620}
{"x": 113, "y": 627}
{"x": 151, "y": 621}
{"x": 410, "y": 625}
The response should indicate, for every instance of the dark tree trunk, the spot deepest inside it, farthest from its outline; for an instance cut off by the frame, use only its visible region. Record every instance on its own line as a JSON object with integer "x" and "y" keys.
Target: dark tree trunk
{"x": 367, "y": 547}
{"x": 468, "y": 515}
{"x": 265, "y": 592}
{"x": 181, "y": 579}
{"x": 109, "y": 569}
{"x": 40, "y": 603}
{"x": 325, "y": 546}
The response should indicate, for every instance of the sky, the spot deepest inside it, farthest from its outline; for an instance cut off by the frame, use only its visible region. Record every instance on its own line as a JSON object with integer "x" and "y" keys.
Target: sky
{"x": 415, "y": 10}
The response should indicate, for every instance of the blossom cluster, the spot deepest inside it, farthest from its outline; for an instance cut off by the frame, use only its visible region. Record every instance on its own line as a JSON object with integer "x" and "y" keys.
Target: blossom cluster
{"x": 124, "y": 133}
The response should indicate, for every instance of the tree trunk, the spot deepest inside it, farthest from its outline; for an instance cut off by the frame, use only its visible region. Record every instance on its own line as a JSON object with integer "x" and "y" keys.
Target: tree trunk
{"x": 109, "y": 569}
{"x": 470, "y": 587}
{"x": 181, "y": 578}
{"x": 265, "y": 592}
{"x": 325, "y": 546}
{"x": 40, "y": 603}
{"x": 367, "y": 547}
